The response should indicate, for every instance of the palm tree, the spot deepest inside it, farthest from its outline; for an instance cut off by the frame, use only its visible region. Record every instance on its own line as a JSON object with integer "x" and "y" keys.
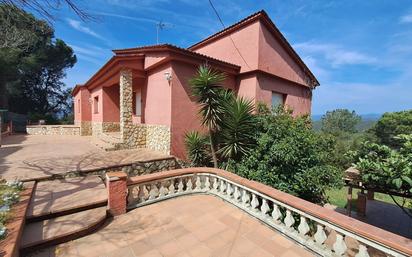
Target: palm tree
{"x": 207, "y": 89}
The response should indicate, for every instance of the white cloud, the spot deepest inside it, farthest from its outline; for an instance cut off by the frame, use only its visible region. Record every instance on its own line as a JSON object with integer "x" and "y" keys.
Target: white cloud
{"x": 334, "y": 54}
{"x": 92, "y": 54}
{"x": 406, "y": 18}
{"x": 77, "y": 25}
{"x": 126, "y": 17}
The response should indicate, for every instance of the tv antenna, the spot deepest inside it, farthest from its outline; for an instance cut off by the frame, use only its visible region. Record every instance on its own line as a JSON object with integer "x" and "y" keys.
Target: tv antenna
{"x": 159, "y": 27}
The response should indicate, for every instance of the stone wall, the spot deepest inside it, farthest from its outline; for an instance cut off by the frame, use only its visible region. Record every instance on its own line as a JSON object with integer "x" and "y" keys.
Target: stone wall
{"x": 158, "y": 138}
{"x": 97, "y": 128}
{"x": 132, "y": 169}
{"x": 85, "y": 128}
{"x": 47, "y": 130}
{"x": 110, "y": 126}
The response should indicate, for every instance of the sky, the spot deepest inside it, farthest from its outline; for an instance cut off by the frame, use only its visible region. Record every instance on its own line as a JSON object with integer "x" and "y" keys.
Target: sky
{"x": 360, "y": 51}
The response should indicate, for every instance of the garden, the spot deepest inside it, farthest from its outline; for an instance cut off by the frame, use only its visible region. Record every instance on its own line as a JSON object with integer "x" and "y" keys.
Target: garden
{"x": 294, "y": 154}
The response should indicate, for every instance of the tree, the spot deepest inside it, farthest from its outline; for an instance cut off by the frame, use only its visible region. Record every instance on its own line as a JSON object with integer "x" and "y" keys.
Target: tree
{"x": 392, "y": 124}
{"x": 385, "y": 169}
{"x": 45, "y": 8}
{"x": 34, "y": 66}
{"x": 290, "y": 156}
{"x": 228, "y": 119}
{"x": 340, "y": 121}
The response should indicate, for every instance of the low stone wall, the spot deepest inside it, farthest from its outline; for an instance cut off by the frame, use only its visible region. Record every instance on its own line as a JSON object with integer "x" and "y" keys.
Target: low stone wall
{"x": 155, "y": 137}
{"x": 110, "y": 126}
{"x": 132, "y": 169}
{"x": 48, "y": 130}
{"x": 85, "y": 128}
{"x": 158, "y": 138}
{"x": 97, "y": 128}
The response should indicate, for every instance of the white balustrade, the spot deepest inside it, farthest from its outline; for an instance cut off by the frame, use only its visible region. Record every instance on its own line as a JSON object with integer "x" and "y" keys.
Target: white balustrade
{"x": 274, "y": 213}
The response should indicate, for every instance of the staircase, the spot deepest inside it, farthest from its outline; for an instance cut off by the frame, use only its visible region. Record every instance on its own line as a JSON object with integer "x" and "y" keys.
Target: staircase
{"x": 63, "y": 210}
{"x": 108, "y": 141}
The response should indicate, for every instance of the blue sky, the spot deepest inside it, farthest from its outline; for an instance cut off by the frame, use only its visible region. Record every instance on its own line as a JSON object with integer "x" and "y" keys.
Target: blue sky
{"x": 360, "y": 51}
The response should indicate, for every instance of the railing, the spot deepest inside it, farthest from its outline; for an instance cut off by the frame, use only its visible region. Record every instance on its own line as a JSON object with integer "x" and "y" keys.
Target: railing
{"x": 323, "y": 231}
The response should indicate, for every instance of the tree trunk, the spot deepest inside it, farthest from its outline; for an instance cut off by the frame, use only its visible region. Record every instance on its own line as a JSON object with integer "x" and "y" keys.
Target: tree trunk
{"x": 213, "y": 149}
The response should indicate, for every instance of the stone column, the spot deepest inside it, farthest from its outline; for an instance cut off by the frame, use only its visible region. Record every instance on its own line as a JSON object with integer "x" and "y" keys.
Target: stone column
{"x": 116, "y": 184}
{"x": 126, "y": 105}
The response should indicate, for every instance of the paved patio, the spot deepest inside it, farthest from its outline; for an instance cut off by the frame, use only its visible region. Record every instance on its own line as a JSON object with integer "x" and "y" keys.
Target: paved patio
{"x": 187, "y": 226}
{"x": 30, "y": 157}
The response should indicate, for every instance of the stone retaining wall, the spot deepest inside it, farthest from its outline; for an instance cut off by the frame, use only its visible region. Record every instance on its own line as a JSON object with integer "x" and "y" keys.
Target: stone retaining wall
{"x": 47, "y": 130}
{"x": 132, "y": 169}
{"x": 158, "y": 138}
{"x": 111, "y": 126}
{"x": 85, "y": 128}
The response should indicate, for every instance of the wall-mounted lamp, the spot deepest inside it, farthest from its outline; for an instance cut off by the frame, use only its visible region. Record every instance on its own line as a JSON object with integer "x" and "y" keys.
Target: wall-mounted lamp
{"x": 168, "y": 76}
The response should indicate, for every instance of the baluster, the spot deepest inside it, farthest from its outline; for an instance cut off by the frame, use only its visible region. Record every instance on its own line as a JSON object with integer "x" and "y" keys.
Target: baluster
{"x": 222, "y": 187}
{"x": 245, "y": 198}
{"x": 229, "y": 190}
{"x": 237, "y": 194}
{"x": 215, "y": 185}
{"x": 132, "y": 194}
{"x": 363, "y": 251}
{"x": 254, "y": 202}
{"x": 172, "y": 187}
{"x": 207, "y": 183}
{"x": 142, "y": 195}
{"x": 265, "y": 207}
{"x": 339, "y": 246}
{"x": 198, "y": 184}
{"x": 289, "y": 220}
{"x": 276, "y": 214}
{"x": 303, "y": 226}
{"x": 162, "y": 190}
{"x": 180, "y": 186}
{"x": 189, "y": 185}
{"x": 153, "y": 192}
{"x": 320, "y": 235}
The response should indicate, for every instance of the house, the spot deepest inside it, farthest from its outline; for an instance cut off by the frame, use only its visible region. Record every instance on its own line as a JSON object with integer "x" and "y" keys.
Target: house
{"x": 144, "y": 94}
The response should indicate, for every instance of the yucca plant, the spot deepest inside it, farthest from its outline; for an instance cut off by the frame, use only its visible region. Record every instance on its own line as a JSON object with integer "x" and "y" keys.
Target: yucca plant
{"x": 197, "y": 146}
{"x": 208, "y": 91}
{"x": 237, "y": 130}
{"x": 229, "y": 120}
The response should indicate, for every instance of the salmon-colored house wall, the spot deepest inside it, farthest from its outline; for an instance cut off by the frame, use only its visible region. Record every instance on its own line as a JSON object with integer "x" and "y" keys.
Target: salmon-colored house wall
{"x": 185, "y": 111}
{"x": 82, "y": 111}
{"x": 258, "y": 61}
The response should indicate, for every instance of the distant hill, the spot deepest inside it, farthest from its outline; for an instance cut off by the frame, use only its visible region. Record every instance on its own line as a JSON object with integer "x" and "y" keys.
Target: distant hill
{"x": 368, "y": 120}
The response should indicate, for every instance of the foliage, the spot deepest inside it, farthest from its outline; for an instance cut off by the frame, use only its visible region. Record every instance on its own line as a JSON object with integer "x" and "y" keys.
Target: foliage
{"x": 9, "y": 195}
{"x": 386, "y": 169}
{"x": 229, "y": 120}
{"x": 236, "y": 135}
{"x": 197, "y": 148}
{"x": 290, "y": 156}
{"x": 340, "y": 121}
{"x": 391, "y": 125}
{"x": 32, "y": 68}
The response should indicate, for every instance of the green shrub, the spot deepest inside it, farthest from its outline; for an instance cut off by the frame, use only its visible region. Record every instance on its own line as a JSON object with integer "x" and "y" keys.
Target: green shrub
{"x": 291, "y": 157}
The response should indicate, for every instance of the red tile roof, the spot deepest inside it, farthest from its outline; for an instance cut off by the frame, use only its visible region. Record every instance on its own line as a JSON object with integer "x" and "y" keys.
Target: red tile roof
{"x": 163, "y": 47}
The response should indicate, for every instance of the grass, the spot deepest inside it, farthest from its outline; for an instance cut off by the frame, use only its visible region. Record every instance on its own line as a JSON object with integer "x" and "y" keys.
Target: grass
{"x": 338, "y": 197}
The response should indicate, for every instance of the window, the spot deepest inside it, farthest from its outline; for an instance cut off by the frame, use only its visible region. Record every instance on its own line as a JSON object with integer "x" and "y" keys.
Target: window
{"x": 137, "y": 103}
{"x": 96, "y": 104}
{"x": 277, "y": 99}
{"x": 78, "y": 105}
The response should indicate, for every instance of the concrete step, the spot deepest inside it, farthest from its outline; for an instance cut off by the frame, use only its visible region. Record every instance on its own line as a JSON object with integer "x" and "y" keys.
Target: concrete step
{"x": 61, "y": 229}
{"x": 65, "y": 196}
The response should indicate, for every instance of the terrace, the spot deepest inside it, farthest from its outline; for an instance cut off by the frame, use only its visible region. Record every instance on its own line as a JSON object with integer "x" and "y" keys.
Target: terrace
{"x": 210, "y": 212}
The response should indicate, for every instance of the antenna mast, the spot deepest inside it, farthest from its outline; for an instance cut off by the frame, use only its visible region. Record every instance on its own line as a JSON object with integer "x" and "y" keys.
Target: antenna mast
{"x": 159, "y": 26}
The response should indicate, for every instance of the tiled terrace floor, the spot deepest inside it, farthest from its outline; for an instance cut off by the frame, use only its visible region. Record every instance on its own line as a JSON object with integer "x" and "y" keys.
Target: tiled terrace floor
{"x": 28, "y": 157}
{"x": 193, "y": 226}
